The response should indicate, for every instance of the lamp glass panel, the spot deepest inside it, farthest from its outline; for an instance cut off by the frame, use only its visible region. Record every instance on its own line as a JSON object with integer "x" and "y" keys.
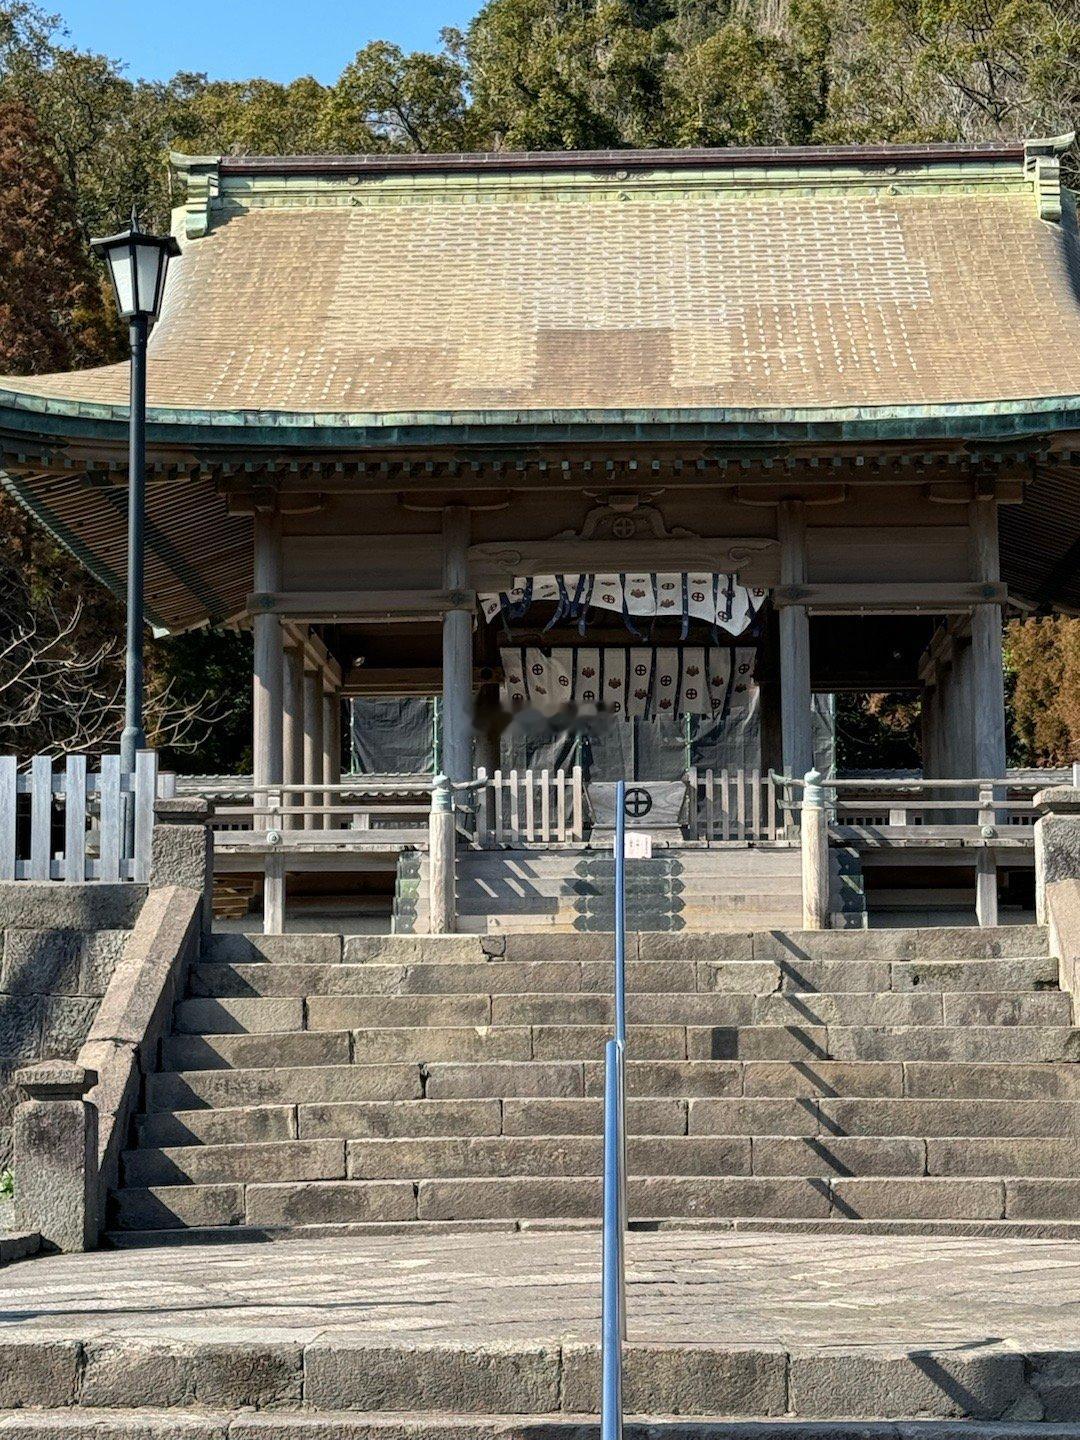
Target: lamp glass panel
{"x": 148, "y": 262}
{"x": 121, "y": 264}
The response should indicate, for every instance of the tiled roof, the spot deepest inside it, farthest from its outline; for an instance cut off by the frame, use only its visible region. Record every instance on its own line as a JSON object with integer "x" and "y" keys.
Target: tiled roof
{"x": 370, "y": 295}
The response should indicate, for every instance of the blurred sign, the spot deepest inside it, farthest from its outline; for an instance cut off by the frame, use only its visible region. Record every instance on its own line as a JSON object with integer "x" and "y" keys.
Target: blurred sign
{"x": 638, "y": 845}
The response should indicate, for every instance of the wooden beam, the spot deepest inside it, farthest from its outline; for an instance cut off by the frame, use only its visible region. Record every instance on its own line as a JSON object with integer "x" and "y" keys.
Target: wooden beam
{"x": 315, "y": 654}
{"x": 389, "y": 606}
{"x": 891, "y": 597}
{"x": 495, "y": 565}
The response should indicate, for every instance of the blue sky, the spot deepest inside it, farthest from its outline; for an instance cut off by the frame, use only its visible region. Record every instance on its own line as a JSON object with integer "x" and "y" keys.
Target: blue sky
{"x": 240, "y": 39}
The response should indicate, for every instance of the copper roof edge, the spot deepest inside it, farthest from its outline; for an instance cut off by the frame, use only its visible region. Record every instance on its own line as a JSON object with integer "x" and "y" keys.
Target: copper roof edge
{"x": 458, "y": 162}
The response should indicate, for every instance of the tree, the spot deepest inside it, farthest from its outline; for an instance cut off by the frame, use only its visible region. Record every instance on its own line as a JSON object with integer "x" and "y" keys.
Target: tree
{"x": 1043, "y": 665}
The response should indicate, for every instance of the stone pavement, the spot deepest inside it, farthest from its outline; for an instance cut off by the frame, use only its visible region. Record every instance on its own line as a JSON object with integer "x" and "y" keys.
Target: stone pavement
{"x": 797, "y": 1291}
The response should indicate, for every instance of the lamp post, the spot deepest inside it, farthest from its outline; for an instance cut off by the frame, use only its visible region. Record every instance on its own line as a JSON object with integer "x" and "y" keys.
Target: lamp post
{"x": 137, "y": 265}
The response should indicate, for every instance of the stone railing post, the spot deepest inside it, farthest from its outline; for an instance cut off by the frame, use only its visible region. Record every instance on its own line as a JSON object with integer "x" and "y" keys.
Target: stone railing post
{"x": 814, "y": 831}
{"x": 1057, "y": 875}
{"x": 442, "y": 840}
{"x": 182, "y": 850}
{"x": 55, "y": 1152}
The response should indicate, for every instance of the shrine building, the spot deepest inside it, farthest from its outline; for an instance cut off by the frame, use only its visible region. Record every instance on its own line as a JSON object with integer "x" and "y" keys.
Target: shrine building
{"x": 601, "y": 465}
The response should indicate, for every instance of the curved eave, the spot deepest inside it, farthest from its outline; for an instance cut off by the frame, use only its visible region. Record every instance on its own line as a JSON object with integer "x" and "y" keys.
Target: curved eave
{"x": 60, "y": 419}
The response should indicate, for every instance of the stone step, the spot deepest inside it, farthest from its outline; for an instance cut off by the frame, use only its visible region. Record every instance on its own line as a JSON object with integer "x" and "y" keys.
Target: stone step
{"x": 936, "y": 945}
{"x": 337, "y": 1202}
{"x": 909, "y": 1008}
{"x": 487, "y": 1156}
{"x": 774, "y": 1116}
{"x": 1044, "y": 1084}
{"x": 675, "y": 975}
{"x": 89, "y": 1423}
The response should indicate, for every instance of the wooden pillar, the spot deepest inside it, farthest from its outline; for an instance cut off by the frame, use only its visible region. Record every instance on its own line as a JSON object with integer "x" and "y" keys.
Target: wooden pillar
{"x": 814, "y": 836}
{"x": 457, "y": 706}
{"x": 329, "y": 738}
{"x": 795, "y": 697}
{"x": 313, "y": 744}
{"x": 292, "y": 737}
{"x": 987, "y": 681}
{"x": 268, "y": 658}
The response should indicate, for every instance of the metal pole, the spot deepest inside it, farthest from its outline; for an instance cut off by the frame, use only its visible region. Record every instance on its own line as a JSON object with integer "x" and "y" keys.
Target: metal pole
{"x": 613, "y": 1302}
{"x": 620, "y": 913}
{"x": 132, "y": 740}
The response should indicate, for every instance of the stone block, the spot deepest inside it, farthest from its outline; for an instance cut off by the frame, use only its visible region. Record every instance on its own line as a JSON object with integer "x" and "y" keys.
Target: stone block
{"x": 520, "y": 1199}
{"x": 241, "y": 1016}
{"x": 824, "y": 1077}
{"x": 947, "y": 1383}
{"x": 972, "y": 975}
{"x": 700, "y": 948}
{"x": 712, "y": 1379}
{"x": 258, "y": 1052}
{"x": 1004, "y": 1082}
{"x": 586, "y": 1117}
{"x": 181, "y": 855}
{"x": 101, "y": 953}
{"x": 757, "y": 1116}
{"x": 65, "y": 1023}
{"x": 20, "y": 1027}
{"x": 828, "y": 1155}
{"x": 1002, "y": 942}
{"x": 672, "y": 1078}
{"x": 918, "y": 1199}
{"x": 756, "y": 1042}
{"x": 1042, "y": 1199}
{"x": 55, "y": 1148}
{"x": 248, "y": 1125}
{"x": 862, "y": 977}
{"x": 295, "y": 949}
{"x": 974, "y": 1043}
{"x": 792, "y": 949}
{"x": 464, "y": 1379}
{"x": 413, "y": 949}
{"x": 737, "y": 977}
{"x": 346, "y": 1012}
{"x": 124, "y": 1374}
{"x": 40, "y": 1373}
{"x": 330, "y": 1202}
{"x": 43, "y": 905}
{"x": 720, "y": 1197}
{"x": 556, "y": 1009}
{"x": 450, "y": 1080}
{"x": 1055, "y": 1379}
{"x": 886, "y": 1008}
{"x": 286, "y": 1086}
{"x": 1002, "y": 1156}
{"x": 174, "y": 1207}
{"x": 463, "y": 1157}
{"x": 386, "y": 1120}
{"x": 994, "y": 1008}
{"x": 431, "y": 1043}
{"x": 41, "y": 962}
{"x": 224, "y": 1164}
{"x": 232, "y": 1376}
{"x": 642, "y": 976}
{"x": 586, "y": 1042}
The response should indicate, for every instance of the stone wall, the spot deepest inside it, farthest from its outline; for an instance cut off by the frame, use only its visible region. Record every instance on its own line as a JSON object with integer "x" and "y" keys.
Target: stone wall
{"x": 59, "y": 945}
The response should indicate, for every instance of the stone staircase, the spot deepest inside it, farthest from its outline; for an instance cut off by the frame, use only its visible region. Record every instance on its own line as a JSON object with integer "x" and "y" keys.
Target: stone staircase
{"x": 682, "y": 887}
{"x": 820, "y": 1080}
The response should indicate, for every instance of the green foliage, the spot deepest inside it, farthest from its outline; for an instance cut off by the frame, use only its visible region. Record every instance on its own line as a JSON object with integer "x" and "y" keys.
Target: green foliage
{"x": 80, "y": 142}
{"x": 7, "y": 1185}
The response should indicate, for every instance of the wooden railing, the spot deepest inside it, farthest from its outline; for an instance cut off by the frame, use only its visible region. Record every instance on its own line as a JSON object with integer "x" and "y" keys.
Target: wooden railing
{"x": 63, "y": 820}
{"x": 922, "y": 810}
{"x": 732, "y": 805}
{"x": 529, "y": 807}
{"x": 376, "y": 810}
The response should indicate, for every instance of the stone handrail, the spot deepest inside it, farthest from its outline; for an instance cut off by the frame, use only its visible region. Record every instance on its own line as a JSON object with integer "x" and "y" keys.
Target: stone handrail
{"x": 71, "y": 1126}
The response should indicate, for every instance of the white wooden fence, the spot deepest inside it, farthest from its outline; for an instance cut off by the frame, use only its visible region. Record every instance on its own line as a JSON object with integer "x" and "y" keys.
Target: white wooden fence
{"x": 732, "y": 805}
{"x": 530, "y": 807}
{"x": 62, "y": 820}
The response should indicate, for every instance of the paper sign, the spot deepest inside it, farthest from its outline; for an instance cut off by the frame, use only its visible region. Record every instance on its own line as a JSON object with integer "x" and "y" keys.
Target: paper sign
{"x": 638, "y": 845}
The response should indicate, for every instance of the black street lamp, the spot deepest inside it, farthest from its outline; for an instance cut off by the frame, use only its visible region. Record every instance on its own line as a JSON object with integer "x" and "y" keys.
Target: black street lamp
{"x": 137, "y": 265}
